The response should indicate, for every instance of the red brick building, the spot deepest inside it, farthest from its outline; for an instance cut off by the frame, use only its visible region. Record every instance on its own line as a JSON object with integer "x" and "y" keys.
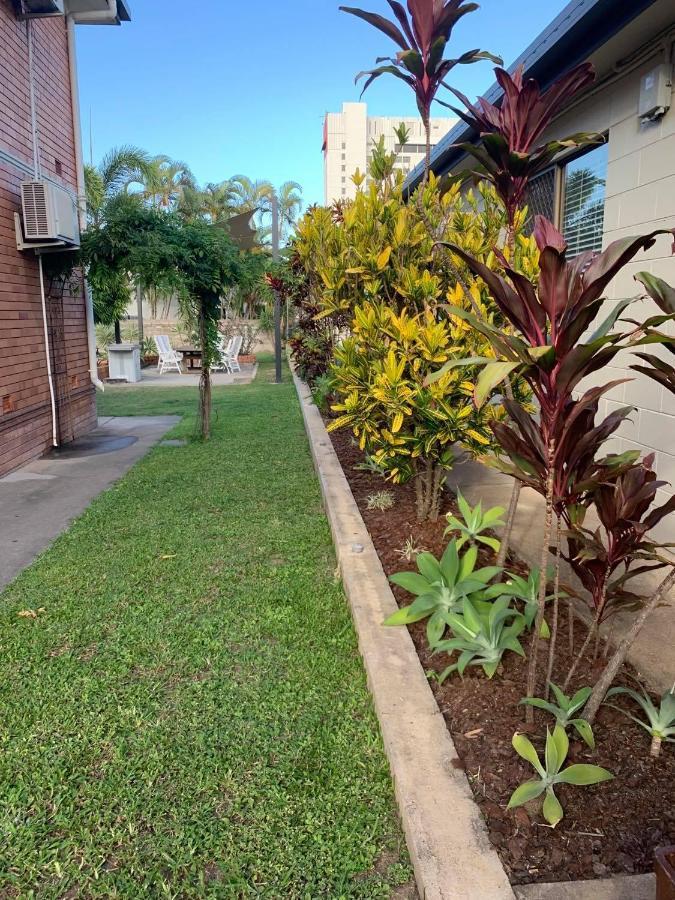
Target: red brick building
{"x": 47, "y": 341}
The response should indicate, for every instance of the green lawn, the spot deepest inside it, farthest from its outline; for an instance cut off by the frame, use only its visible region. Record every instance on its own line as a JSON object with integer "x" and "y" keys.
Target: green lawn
{"x": 188, "y": 717}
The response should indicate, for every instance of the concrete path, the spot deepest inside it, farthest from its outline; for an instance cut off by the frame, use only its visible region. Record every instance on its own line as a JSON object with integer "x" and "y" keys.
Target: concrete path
{"x": 654, "y": 651}
{"x": 38, "y": 501}
{"x": 151, "y": 378}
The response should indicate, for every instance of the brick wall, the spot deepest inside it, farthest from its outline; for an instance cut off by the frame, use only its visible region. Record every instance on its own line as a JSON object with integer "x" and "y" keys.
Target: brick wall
{"x": 25, "y": 417}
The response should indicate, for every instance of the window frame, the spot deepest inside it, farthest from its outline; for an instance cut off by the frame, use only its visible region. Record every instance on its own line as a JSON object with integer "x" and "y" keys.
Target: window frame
{"x": 558, "y": 166}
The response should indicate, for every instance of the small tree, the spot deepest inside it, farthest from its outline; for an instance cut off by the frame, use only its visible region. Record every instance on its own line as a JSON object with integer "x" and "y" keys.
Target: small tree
{"x": 209, "y": 264}
{"x": 131, "y": 245}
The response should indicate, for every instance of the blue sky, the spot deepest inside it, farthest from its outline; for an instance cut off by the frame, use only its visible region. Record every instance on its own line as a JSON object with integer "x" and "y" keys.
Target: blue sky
{"x": 242, "y": 87}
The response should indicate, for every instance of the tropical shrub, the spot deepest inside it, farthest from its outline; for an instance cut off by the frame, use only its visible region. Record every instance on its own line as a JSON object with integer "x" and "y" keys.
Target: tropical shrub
{"x": 408, "y": 427}
{"x": 508, "y": 150}
{"x": 374, "y": 262}
{"x": 660, "y": 722}
{"x": 440, "y": 588}
{"x": 550, "y": 774}
{"x": 603, "y": 558}
{"x": 474, "y": 523}
{"x": 565, "y": 711}
{"x": 422, "y": 36}
{"x": 559, "y": 453}
{"x": 382, "y": 500}
{"x": 481, "y": 635}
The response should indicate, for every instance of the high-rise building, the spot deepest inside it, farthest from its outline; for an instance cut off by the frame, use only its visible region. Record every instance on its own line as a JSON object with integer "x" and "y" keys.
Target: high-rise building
{"x": 348, "y": 142}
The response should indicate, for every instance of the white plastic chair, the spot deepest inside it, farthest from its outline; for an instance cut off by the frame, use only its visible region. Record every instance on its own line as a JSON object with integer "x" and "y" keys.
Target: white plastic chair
{"x": 223, "y": 363}
{"x": 168, "y": 357}
{"x": 231, "y": 355}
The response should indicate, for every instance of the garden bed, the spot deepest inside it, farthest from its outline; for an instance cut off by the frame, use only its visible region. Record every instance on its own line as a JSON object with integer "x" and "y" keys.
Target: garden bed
{"x": 612, "y": 828}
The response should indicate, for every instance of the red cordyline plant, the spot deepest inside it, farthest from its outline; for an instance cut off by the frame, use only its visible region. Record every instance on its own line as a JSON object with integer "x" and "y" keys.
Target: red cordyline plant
{"x": 508, "y": 148}
{"x": 510, "y": 152}
{"x": 556, "y": 453}
{"x": 422, "y": 34}
{"x": 626, "y": 517}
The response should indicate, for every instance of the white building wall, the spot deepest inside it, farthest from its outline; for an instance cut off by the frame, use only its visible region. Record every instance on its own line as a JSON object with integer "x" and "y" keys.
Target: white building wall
{"x": 349, "y": 141}
{"x": 640, "y": 197}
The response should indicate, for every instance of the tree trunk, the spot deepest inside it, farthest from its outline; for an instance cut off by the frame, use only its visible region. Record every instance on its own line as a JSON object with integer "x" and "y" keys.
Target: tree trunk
{"x": 655, "y": 749}
{"x": 427, "y": 155}
{"x": 595, "y": 624}
{"x": 554, "y": 622}
{"x": 570, "y": 623}
{"x": 611, "y": 670}
{"x": 118, "y": 332}
{"x": 534, "y": 645}
{"x": 204, "y": 382}
{"x": 429, "y": 481}
{"x": 508, "y": 528}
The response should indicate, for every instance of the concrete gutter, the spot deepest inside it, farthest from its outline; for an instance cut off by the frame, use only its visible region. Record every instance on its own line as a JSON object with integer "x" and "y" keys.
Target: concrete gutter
{"x": 447, "y": 839}
{"x": 446, "y": 836}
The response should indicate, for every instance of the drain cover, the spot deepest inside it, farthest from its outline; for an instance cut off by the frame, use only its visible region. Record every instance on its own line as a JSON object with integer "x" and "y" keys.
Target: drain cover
{"x": 92, "y": 446}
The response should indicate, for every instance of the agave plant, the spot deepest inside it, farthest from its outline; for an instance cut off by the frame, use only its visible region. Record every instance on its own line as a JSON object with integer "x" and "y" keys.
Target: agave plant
{"x": 527, "y": 591}
{"x": 440, "y": 588}
{"x": 422, "y": 34}
{"x": 474, "y": 523}
{"x": 482, "y": 636}
{"x": 660, "y": 722}
{"x": 557, "y": 747}
{"x": 565, "y": 711}
{"x": 508, "y": 151}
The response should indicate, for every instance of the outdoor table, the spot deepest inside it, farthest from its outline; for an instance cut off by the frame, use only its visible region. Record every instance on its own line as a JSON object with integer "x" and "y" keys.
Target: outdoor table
{"x": 192, "y": 357}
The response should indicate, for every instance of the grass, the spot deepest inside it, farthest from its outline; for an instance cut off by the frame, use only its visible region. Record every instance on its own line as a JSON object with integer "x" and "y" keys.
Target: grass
{"x": 187, "y": 715}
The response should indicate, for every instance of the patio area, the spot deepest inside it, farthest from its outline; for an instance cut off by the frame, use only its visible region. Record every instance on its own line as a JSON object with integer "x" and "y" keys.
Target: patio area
{"x": 151, "y": 378}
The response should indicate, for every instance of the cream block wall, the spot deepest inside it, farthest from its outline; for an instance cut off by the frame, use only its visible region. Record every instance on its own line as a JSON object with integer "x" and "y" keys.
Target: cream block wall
{"x": 640, "y": 197}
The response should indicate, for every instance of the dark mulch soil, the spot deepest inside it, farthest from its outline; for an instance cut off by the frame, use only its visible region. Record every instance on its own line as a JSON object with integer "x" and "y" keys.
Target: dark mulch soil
{"x": 609, "y": 828}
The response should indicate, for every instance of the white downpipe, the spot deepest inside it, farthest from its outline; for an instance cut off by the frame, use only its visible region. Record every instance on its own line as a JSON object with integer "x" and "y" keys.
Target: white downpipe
{"x": 82, "y": 199}
{"x": 50, "y": 376}
{"x": 36, "y": 175}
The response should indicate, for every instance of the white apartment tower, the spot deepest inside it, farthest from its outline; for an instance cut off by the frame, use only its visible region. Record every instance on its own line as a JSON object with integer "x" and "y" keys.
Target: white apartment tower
{"x": 348, "y": 143}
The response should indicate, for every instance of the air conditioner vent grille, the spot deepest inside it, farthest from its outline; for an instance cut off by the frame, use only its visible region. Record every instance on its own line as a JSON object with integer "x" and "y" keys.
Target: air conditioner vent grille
{"x": 49, "y": 213}
{"x": 36, "y": 216}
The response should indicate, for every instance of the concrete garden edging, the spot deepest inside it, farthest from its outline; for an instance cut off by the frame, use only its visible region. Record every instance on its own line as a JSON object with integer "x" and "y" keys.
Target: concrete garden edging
{"x": 447, "y": 839}
{"x": 446, "y": 836}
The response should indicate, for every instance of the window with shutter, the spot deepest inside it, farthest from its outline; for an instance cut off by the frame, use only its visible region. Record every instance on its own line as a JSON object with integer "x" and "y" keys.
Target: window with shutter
{"x": 540, "y": 198}
{"x": 583, "y": 208}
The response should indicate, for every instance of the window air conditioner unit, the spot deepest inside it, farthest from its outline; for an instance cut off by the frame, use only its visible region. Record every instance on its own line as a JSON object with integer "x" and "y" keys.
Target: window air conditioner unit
{"x": 49, "y": 213}
{"x": 35, "y": 9}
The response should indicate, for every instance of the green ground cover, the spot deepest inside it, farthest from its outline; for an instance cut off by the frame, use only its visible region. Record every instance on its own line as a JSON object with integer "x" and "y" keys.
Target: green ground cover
{"x": 188, "y": 715}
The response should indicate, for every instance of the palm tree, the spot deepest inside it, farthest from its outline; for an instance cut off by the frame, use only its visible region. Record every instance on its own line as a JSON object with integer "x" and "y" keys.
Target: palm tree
{"x": 119, "y": 168}
{"x": 248, "y": 195}
{"x": 165, "y": 181}
{"x": 218, "y": 201}
{"x": 290, "y": 207}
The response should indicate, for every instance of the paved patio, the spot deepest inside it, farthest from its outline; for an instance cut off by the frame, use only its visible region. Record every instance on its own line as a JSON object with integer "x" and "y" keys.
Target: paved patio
{"x": 151, "y": 378}
{"x": 39, "y": 500}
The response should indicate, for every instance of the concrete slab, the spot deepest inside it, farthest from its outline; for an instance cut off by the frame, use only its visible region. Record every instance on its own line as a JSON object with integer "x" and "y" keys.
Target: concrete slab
{"x": 653, "y": 653}
{"x": 151, "y": 378}
{"x": 630, "y": 887}
{"x": 38, "y": 501}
